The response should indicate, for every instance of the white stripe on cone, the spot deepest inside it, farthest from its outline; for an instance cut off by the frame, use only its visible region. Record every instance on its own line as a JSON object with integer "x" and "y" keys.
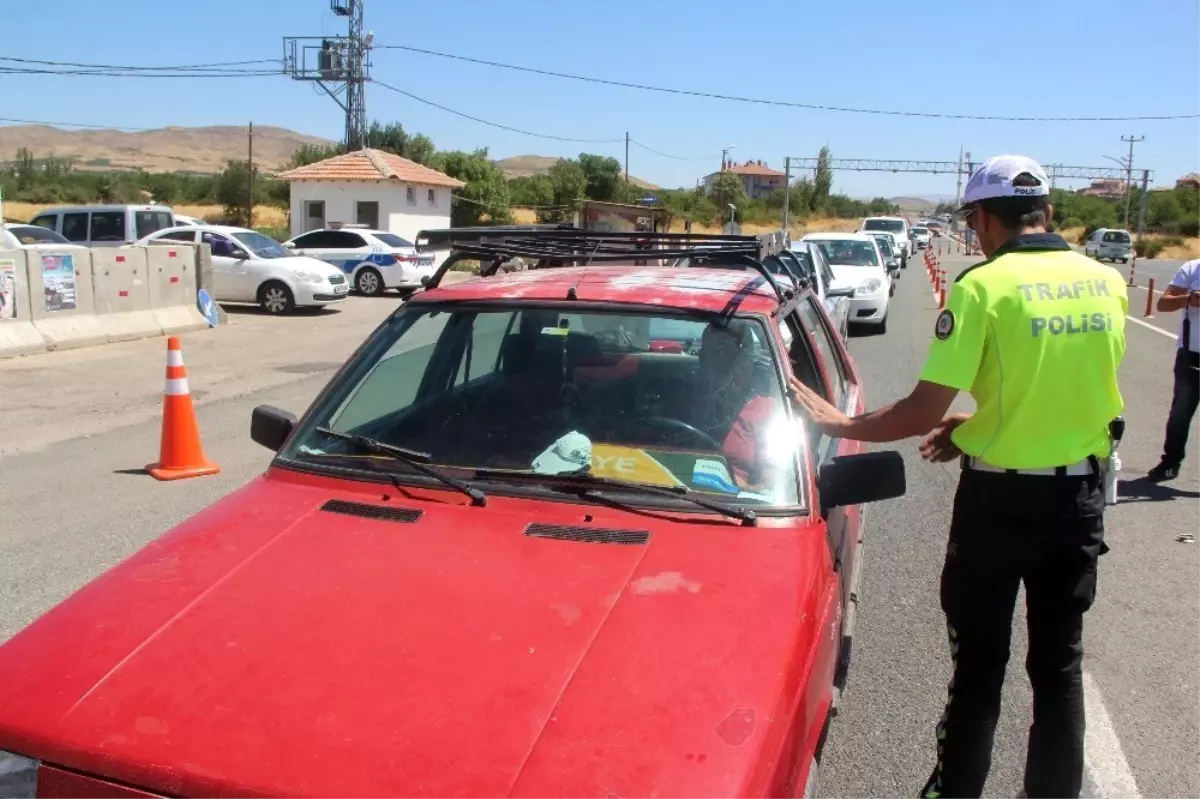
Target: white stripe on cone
{"x": 174, "y": 358}
{"x": 177, "y": 387}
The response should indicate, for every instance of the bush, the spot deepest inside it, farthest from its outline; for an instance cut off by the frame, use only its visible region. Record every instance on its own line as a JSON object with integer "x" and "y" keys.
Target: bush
{"x": 1147, "y": 248}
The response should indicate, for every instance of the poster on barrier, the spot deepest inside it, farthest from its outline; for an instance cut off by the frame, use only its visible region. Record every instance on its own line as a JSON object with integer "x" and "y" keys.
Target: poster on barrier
{"x": 8, "y": 288}
{"x": 58, "y": 278}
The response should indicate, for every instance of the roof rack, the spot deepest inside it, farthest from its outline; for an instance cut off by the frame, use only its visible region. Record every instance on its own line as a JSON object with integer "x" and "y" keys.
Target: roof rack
{"x": 558, "y": 246}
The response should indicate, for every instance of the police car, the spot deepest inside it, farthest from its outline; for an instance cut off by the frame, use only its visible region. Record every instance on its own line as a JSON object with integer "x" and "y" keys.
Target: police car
{"x": 373, "y": 260}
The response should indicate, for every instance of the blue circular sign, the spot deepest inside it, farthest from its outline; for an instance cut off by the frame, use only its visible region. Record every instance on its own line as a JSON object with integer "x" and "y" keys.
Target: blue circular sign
{"x": 208, "y": 308}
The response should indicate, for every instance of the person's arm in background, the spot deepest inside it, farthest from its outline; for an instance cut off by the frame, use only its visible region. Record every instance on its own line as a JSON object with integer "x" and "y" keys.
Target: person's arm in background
{"x": 1178, "y": 295}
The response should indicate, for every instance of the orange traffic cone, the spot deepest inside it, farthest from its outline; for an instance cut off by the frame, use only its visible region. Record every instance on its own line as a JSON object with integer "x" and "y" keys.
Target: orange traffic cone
{"x": 180, "y": 454}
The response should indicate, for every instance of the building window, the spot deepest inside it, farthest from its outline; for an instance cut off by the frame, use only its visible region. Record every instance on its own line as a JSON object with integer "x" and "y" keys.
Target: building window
{"x": 432, "y": 197}
{"x": 314, "y": 215}
{"x": 410, "y": 194}
{"x": 367, "y": 213}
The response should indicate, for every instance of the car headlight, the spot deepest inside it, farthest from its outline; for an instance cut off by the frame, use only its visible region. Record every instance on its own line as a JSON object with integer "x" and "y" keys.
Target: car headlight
{"x": 308, "y": 277}
{"x": 869, "y": 286}
{"x": 18, "y": 776}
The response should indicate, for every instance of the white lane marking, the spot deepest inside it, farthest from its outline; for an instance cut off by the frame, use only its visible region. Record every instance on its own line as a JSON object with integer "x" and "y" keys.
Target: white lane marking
{"x": 1102, "y": 755}
{"x": 1149, "y": 326}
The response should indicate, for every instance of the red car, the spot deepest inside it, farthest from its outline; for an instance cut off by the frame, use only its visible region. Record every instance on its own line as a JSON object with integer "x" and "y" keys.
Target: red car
{"x": 555, "y": 532}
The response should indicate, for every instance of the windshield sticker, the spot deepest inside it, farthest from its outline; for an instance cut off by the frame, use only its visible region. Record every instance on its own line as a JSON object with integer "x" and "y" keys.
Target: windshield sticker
{"x": 633, "y": 465}
{"x": 556, "y": 331}
{"x": 714, "y": 475}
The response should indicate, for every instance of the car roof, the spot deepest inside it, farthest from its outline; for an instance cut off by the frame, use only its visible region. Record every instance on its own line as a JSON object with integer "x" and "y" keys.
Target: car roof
{"x": 839, "y": 236}
{"x": 370, "y": 231}
{"x": 212, "y": 228}
{"x": 680, "y": 288}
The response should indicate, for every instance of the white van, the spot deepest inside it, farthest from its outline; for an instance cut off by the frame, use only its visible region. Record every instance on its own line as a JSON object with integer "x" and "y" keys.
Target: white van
{"x": 898, "y": 227}
{"x": 1111, "y": 243}
{"x": 105, "y": 225}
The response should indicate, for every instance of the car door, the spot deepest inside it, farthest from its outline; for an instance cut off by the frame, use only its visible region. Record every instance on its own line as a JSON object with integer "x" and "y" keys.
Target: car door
{"x": 341, "y": 248}
{"x": 839, "y": 388}
{"x": 841, "y": 305}
{"x": 229, "y": 273}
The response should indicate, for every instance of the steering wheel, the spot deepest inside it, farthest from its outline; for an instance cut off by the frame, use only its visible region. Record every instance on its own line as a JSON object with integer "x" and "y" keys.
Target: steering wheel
{"x": 667, "y": 423}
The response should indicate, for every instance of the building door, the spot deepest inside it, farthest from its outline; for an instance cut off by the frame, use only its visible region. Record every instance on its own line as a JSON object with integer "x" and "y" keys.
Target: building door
{"x": 367, "y": 213}
{"x": 314, "y": 215}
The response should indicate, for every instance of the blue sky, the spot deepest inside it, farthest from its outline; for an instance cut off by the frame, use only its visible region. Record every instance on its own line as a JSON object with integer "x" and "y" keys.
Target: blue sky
{"x": 1060, "y": 59}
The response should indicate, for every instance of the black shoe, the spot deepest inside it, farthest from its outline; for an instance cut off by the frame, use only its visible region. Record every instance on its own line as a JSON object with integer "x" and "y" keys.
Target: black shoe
{"x": 1162, "y": 472}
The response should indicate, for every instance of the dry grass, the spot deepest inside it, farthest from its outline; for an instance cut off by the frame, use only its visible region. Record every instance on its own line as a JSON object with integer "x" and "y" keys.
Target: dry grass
{"x": 264, "y": 215}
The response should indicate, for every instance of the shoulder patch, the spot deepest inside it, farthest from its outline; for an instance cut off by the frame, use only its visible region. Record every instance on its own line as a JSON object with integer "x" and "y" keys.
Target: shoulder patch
{"x": 944, "y": 325}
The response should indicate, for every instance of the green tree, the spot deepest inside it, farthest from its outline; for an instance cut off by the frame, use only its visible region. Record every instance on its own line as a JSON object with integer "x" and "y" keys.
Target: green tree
{"x": 604, "y": 177}
{"x": 531, "y": 190}
{"x": 312, "y": 153}
{"x": 232, "y": 192}
{"x": 727, "y": 189}
{"x": 822, "y": 181}
{"x": 485, "y": 198}
{"x": 569, "y": 183}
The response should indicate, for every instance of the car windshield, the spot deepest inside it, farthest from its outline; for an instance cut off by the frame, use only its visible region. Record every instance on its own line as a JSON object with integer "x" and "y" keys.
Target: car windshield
{"x": 33, "y": 234}
{"x": 260, "y": 245}
{"x": 885, "y": 245}
{"x": 888, "y": 225}
{"x": 920, "y": 231}
{"x": 1117, "y": 237}
{"x": 392, "y": 240}
{"x": 848, "y": 252}
{"x": 692, "y": 402}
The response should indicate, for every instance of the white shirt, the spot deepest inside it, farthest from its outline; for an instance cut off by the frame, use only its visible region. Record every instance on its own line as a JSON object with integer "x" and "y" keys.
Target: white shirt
{"x": 1188, "y": 277}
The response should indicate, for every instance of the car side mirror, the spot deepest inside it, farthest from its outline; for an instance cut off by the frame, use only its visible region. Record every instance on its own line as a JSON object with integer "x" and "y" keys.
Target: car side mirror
{"x": 866, "y": 477}
{"x": 840, "y": 290}
{"x": 271, "y": 426}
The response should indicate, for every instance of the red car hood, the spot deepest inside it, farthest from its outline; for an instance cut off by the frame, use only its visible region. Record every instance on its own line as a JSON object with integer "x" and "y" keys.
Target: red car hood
{"x": 267, "y": 646}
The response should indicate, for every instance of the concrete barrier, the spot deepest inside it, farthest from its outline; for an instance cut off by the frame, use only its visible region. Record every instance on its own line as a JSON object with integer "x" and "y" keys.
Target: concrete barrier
{"x": 121, "y": 292}
{"x": 173, "y": 283}
{"x": 18, "y": 336}
{"x": 60, "y": 290}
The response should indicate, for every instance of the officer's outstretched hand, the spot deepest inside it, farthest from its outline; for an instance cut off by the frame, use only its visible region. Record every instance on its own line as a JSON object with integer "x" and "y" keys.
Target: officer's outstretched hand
{"x": 937, "y": 446}
{"x": 827, "y": 418}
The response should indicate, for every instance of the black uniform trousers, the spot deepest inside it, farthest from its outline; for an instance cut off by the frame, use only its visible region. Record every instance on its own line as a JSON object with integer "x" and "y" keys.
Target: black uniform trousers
{"x": 1184, "y": 401}
{"x": 1048, "y": 532}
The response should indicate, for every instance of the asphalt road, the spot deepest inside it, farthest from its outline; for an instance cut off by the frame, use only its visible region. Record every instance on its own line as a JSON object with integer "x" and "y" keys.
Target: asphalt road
{"x": 1141, "y": 636}
{"x": 79, "y": 426}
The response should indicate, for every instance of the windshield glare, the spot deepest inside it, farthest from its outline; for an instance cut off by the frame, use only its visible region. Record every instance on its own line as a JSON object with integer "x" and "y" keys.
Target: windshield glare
{"x": 643, "y": 398}
{"x": 848, "y": 252}
{"x": 260, "y": 245}
{"x": 889, "y": 225}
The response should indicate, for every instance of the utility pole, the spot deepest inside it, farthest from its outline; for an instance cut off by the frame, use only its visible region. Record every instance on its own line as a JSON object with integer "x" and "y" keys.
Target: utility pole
{"x": 1141, "y": 222}
{"x": 341, "y": 65}
{"x": 626, "y": 159}
{"x": 250, "y": 177}
{"x": 787, "y": 189}
{"x": 1129, "y": 173}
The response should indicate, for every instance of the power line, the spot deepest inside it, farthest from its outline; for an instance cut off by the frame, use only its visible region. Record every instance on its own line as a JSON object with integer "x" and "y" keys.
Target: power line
{"x": 245, "y": 73}
{"x": 783, "y": 103}
{"x": 186, "y": 67}
{"x": 494, "y": 124}
{"x": 676, "y": 157}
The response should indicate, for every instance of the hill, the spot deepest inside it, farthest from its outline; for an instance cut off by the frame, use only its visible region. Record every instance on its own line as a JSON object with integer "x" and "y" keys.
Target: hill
{"x": 913, "y": 203}
{"x": 175, "y": 149}
{"x": 523, "y": 166}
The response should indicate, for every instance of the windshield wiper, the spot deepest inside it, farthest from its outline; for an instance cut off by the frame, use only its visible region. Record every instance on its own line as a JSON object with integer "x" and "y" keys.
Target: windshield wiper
{"x": 414, "y": 458}
{"x": 584, "y": 482}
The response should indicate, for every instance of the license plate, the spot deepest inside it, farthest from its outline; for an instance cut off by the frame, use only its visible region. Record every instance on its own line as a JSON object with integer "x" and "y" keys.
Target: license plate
{"x": 424, "y": 262}
{"x": 341, "y": 288}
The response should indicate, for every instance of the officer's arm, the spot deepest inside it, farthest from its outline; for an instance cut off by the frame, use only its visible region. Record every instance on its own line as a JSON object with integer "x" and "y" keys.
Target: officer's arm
{"x": 954, "y": 355}
{"x": 1177, "y": 295}
{"x": 915, "y": 415}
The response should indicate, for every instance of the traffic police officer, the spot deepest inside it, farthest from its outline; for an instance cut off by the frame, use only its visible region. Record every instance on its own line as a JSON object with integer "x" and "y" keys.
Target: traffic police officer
{"x": 1036, "y": 334}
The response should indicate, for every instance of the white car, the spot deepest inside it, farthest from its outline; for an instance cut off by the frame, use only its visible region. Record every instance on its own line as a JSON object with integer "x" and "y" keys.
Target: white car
{"x": 374, "y": 260}
{"x": 15, "y": 236}
{"x": 253, "y": 268}
{"x": 855, "y": 259}
{"x": 921, "y": 236}
{"x": 896, "y": 225}
{"x": 807, "y": 259}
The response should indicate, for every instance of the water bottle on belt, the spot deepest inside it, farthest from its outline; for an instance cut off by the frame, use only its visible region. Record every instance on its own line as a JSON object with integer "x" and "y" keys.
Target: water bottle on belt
{"x": 1116, "y": 429}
